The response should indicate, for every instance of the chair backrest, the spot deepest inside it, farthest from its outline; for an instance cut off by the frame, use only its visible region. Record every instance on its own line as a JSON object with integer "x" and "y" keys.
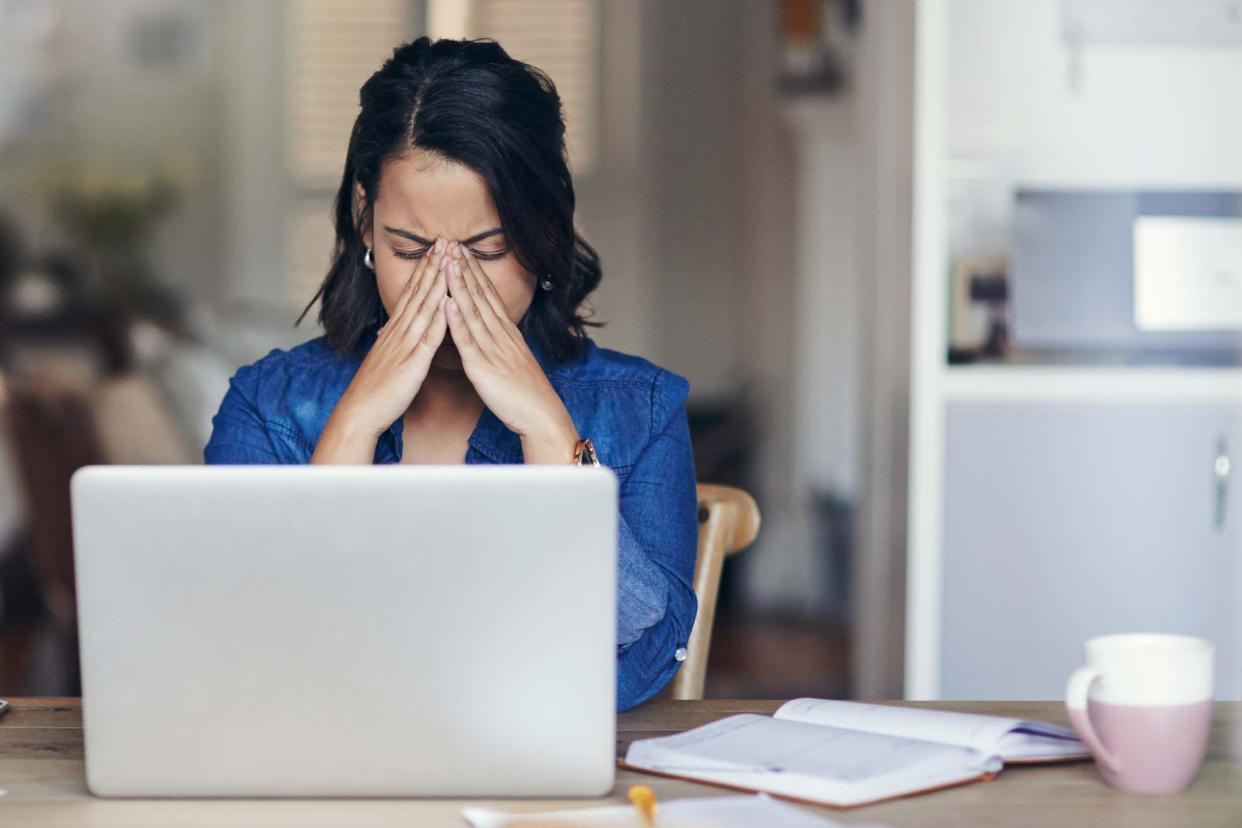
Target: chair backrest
{"x": 728, "y": 523}
{"x": 53, "y": 435}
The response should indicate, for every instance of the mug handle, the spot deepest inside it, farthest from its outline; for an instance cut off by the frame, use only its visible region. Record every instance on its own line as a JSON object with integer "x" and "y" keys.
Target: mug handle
{"x": 1076, "y": 692}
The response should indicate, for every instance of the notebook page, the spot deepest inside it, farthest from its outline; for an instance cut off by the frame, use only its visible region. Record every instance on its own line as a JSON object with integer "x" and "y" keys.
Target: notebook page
{"x": 986, "y": 734}
{"x": 824, "y": 764}
{"x": 707, "y": 812}
{"x": 1039, "y": 740}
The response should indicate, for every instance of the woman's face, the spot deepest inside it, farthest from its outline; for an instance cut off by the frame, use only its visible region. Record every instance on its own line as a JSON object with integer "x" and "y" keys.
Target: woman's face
{"x": 422, "y": 198}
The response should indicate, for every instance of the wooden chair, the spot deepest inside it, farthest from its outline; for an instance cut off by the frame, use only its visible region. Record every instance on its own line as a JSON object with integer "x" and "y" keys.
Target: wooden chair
{"x": 728, "y": 523}
{"x": 53, "y": 435}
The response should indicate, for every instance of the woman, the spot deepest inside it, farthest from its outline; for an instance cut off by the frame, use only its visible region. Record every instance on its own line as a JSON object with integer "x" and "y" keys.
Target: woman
{"x": 453, "y": 332}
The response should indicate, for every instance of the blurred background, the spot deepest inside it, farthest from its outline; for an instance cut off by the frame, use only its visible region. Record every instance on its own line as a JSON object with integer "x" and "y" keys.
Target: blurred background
{"x": 957, "y": 285}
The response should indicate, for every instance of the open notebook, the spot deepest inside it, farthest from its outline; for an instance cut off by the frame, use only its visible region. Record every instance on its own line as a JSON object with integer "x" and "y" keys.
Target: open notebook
{"x": 845, "y": 754}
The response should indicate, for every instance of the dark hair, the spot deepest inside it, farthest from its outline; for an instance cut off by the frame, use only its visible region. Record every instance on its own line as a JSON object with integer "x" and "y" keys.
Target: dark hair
{"x": 469, "y": 102}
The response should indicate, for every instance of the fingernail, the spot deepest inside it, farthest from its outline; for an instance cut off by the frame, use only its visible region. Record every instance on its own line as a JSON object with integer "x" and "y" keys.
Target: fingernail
{"x": 439, "y": 245}
{"x": 442, "y": 264}
{"x": 456, "y": 268}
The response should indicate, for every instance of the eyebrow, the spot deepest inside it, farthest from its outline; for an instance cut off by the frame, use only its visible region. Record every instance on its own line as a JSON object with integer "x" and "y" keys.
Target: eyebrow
{"x": 406, "y": 234}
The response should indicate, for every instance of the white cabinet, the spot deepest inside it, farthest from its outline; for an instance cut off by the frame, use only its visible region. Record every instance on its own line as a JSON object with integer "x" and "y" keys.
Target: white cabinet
{"x": 1067, "y": 520}
{"x": 1071, "y": 491}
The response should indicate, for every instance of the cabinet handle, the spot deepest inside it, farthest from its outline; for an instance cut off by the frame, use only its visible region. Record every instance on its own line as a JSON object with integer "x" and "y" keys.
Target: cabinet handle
{"x": 1221, "y": 469}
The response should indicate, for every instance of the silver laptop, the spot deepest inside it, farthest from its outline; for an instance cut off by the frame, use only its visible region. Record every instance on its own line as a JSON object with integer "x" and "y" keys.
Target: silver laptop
{"x": 347, "y": 631}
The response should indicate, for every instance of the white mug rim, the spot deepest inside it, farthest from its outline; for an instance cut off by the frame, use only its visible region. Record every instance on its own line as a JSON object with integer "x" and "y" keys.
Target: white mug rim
{"x": 1186, "y": 643}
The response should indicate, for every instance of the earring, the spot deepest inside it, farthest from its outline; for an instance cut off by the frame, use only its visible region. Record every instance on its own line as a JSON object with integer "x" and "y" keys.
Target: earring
{"x": 546, "y": 284}
{"x": 368, "y": 260}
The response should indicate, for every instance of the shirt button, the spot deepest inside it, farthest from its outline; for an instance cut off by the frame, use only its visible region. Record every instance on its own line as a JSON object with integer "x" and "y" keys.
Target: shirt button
{"x": 680, "y": 654}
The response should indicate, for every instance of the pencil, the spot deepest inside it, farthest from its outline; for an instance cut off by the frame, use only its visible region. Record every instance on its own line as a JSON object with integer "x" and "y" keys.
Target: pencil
{"x": 644, "y": 800}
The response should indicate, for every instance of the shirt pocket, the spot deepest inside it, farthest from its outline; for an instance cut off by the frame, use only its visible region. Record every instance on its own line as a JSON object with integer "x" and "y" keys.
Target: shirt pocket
{"x": 290, "y": 445}
{"x": 622, "y": 472}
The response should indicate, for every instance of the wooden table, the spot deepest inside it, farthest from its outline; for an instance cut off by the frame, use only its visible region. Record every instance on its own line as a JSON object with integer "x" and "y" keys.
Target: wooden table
{"x": 41, "y": 768}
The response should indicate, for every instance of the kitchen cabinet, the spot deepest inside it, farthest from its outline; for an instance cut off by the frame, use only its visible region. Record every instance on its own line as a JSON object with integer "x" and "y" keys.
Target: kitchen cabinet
{"x": 1066, "y": 520}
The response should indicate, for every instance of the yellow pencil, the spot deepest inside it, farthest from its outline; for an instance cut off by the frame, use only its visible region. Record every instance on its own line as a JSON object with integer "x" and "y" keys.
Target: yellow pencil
{"x": 644, "y": 800}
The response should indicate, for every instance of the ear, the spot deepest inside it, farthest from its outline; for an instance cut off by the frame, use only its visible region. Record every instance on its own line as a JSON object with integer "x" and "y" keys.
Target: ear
{"x": 360, "y": 199}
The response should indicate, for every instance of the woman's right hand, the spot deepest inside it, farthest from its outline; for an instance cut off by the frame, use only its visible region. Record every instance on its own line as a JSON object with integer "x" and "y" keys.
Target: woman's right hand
{"x": 394, "y": 368}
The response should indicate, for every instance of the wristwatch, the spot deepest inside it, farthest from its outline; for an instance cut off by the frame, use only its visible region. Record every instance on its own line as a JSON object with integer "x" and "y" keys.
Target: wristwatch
{"x": 584, "y": 453}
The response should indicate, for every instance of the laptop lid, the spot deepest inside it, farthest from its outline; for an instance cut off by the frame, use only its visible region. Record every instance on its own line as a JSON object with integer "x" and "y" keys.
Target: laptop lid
{"x": 347, "y": 630}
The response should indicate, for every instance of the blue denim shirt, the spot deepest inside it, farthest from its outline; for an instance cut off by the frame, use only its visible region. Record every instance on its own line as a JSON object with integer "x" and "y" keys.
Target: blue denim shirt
{"x": 634, "y": 413}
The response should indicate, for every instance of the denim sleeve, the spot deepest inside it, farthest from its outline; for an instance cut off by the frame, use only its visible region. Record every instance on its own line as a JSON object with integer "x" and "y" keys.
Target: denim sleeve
{"x": 657, "y": 547}
{"x": 238, "y": 435}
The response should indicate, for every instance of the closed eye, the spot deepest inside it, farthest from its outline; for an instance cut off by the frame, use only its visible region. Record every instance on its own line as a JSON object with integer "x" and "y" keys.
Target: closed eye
{"x": 411, "y": 254}
{"x": 485, "y": 256}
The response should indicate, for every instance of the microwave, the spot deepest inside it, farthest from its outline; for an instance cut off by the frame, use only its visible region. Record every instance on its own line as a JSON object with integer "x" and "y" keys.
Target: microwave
{"x": 1127, "y": 271}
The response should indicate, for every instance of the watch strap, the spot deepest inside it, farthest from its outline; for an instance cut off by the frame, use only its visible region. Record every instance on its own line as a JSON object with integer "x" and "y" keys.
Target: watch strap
{"x": 584, "y": 453}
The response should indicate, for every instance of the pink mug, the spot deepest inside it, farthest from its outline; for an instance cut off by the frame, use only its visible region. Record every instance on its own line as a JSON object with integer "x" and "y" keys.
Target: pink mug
{"x": 1143, "y": 706}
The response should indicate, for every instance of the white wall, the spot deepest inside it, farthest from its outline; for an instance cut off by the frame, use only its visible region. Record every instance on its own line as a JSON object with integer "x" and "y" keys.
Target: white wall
{"x": 610, "y": 199}
{"x": 778, "y": 562}
{"x": 886, "y": 100}
{"x": 749, "y": 270}
{"x": 827, "y": 139}
{"x": 1024, "y": 106}
{"x": 690, "y": 201}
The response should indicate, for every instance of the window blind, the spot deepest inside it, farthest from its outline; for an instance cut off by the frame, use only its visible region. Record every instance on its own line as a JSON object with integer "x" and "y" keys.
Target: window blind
{"x": 561, "y": 37}
{"x": 333, "y": 47}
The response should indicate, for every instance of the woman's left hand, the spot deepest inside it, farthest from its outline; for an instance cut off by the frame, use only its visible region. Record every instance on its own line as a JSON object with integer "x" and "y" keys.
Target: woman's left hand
{"x": 501, "y": 367}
